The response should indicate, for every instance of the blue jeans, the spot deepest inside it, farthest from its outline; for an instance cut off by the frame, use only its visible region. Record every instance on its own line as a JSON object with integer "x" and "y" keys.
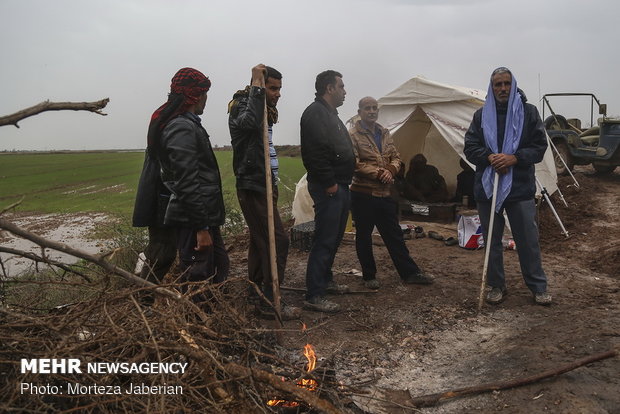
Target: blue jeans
{"x": 330, "y": 220}
{"x": 522, "y": 217}
{"x": 368, "y": 212}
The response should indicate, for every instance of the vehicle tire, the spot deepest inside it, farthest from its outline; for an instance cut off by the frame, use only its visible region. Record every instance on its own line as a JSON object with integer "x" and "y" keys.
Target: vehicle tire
{"x": 603, "y": 168}
{"x": 560, "y": 123}
{"x": 564, "y": 152}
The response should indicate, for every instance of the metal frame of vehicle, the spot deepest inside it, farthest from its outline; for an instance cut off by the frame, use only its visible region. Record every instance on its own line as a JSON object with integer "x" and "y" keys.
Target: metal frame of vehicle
{"x": 599, "y": 145}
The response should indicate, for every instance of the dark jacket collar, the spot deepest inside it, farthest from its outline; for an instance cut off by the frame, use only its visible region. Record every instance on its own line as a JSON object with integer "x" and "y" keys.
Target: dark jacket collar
{"x": 320, "y": 99}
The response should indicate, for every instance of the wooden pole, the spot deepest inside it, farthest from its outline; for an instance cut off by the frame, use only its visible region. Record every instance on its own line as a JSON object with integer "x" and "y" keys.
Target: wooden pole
{"x": 434, "y": 399}
{"x": 487, "y": 243}
{"x": 272, "y": 237}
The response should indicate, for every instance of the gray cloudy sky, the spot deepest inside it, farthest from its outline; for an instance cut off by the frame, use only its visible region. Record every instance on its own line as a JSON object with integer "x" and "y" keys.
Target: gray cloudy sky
{"x": 128, "y": 50}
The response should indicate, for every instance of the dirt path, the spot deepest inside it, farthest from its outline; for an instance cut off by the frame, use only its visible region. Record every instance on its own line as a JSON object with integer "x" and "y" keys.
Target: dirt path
{"x": 431, "y": 339}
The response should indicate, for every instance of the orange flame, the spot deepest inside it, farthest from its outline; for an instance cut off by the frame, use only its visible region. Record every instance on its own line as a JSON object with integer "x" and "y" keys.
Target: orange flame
{"x": 309, "y": 384}
{"x": 311, "y": 356}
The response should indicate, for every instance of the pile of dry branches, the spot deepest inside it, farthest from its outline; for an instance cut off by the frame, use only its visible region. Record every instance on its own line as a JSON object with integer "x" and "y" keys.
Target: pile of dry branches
{"x": 231, "y": 359}
{"x": 108, "y": 314}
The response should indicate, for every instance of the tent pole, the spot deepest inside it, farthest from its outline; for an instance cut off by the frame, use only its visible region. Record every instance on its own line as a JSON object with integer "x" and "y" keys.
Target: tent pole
{"x": 545, "y": 194}
{"x": 563, "y": 162}
{"x": 487, "y": 243}
{"x": 562, "y": 197}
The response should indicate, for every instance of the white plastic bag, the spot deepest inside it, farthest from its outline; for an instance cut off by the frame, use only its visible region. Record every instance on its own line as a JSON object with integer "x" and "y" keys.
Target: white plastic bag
{"x": 470, "y": 232}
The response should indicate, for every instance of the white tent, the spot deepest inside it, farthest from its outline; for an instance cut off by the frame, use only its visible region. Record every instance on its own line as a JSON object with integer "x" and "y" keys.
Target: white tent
{"x": 431, "y": 118}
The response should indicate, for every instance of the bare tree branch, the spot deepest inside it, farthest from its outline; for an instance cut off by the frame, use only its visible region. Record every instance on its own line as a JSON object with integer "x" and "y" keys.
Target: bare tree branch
{"x": 7, "y": 225}
{"x": 41, "y": 259}
{"x": 95, "y": 107}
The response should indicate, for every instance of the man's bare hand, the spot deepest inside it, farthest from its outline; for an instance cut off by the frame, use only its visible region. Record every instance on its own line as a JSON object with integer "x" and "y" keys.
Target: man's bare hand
{"x": 385, "y": 176}
{"x": 501, "y": 162}
{"x": 258, "y": 75}
{"x": 203, "y": 240}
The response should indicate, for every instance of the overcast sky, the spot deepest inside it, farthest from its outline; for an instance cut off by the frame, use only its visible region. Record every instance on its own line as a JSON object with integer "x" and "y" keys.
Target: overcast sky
{"x": 128, "y": 50}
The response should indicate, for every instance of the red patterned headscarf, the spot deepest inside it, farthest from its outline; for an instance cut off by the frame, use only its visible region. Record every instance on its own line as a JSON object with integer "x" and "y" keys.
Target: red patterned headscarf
{"x": 190, "y": 83}
{"x": 186, "y": 88}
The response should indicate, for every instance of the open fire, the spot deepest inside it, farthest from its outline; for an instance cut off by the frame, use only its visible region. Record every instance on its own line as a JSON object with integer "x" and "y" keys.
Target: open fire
{"x": 309, "y": 384}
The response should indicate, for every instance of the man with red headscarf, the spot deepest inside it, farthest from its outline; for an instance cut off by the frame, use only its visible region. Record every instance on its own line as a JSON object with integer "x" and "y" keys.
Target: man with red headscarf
{"x": 183, "y": 206}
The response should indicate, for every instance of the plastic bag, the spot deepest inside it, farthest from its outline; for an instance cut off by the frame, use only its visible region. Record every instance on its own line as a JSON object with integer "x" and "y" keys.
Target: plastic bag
{"x": 470, "y": 232}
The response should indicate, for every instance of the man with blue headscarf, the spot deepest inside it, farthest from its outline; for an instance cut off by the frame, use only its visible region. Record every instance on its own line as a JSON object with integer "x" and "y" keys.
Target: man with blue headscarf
{"x": 507, "y": 137}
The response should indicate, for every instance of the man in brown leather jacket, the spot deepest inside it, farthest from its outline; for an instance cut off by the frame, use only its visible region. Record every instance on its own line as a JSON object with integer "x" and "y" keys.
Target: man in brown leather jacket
{"x": 377, "y": 163}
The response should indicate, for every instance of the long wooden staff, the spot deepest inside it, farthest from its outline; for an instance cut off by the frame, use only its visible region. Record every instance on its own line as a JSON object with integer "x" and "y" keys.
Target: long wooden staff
{"x": 487, "y": 243}
{"x": 272, "y": 236}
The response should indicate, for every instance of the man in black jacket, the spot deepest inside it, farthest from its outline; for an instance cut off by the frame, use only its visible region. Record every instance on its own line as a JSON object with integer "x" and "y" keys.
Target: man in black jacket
{"x": 327, "y": 154}
{"x": 191, "y": 174}
{"x": 507, "y": 137}
{"x": 245, "y": 122}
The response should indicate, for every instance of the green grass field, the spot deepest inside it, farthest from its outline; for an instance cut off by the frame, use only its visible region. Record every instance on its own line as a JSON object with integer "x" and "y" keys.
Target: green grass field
{"x": 101, "y": 181}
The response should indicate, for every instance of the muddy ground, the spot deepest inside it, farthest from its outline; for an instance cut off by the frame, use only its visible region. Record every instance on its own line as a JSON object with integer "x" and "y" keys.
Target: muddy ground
{"x": 405, "y": 341}
{"x": 418, "y": 340}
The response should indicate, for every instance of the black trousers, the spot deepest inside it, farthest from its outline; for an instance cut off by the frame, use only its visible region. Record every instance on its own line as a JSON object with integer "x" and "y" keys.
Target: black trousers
{"x": 254, "y": 207}
{"x": 368, "y": 212}
{"x": 160, "y": 253}
{"x": 210, "y": 265}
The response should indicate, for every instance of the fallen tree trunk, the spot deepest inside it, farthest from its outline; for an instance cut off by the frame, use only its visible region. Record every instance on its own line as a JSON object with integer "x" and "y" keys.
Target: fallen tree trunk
{"x": 95, "y": 107}
{"x": 434, "y": 399}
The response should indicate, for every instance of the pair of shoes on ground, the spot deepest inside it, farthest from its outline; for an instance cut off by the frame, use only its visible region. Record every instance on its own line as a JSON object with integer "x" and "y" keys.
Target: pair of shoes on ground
{"x": 333, "y": 287}
{"x": 418, "y": 279}
{"x": 321, "y": 304}
{"x": 451, "y": 241}
{"x": 435, "y": 235}
{"x": 496, "y": 295}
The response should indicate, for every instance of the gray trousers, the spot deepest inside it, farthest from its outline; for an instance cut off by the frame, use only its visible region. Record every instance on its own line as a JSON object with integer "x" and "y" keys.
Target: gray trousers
{"x": 522, "y": 218}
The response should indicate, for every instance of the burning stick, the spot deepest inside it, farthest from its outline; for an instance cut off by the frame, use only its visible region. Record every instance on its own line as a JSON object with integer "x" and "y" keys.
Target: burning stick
{"x": 307, "y": 383}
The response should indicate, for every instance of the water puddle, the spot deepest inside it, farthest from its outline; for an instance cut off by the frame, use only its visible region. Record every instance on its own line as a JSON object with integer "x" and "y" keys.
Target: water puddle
{"x": 74, "y": 230}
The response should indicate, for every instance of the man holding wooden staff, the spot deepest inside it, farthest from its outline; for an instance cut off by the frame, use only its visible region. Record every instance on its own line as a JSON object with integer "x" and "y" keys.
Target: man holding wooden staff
{"x": 245, "y": 121}
{"x": 507, "y": 137}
